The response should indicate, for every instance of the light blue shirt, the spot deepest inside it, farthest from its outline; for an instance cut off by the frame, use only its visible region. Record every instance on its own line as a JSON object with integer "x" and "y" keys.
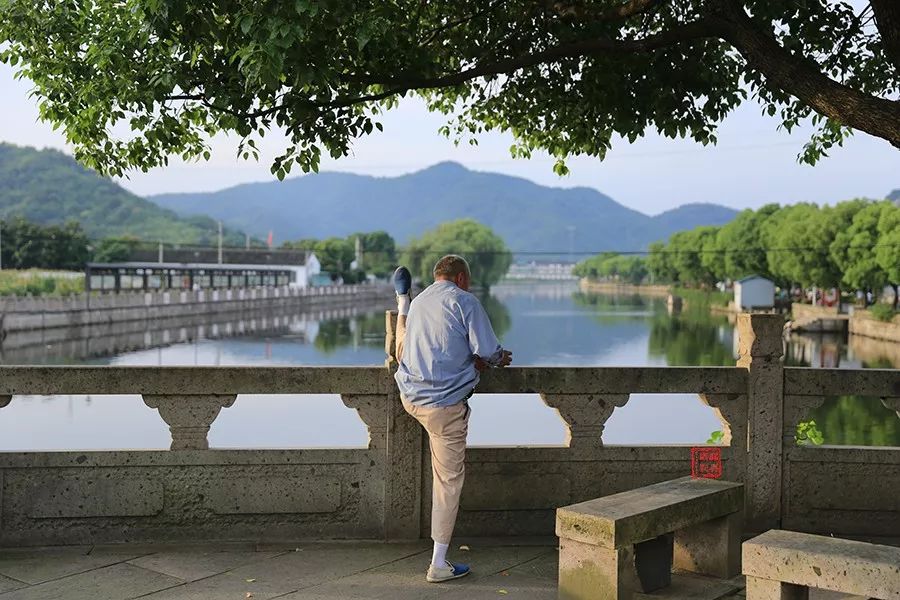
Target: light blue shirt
{"x": 445, "y": 329}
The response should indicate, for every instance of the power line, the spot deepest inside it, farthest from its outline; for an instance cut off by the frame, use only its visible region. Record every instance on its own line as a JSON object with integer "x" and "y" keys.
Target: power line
{"x": 518, "y": 252}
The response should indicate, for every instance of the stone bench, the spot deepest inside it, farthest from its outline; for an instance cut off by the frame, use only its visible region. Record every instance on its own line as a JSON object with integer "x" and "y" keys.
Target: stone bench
{"x": 783, "y": 565}
{"x": 618, "y": 545}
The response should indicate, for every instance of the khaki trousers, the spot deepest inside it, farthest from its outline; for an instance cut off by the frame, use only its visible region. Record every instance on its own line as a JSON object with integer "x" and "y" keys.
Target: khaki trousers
{"x": 447, "y": 427}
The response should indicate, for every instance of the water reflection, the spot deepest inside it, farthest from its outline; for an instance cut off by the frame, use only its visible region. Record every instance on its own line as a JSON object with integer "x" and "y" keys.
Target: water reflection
{"x": 857, "y": 421}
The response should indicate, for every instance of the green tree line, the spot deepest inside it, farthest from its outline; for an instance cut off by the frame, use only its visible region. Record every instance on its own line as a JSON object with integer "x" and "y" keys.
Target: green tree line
{"x": 854, "y": 245}
{"x": 26, "y": 245}
{"x": 610, "y": 265}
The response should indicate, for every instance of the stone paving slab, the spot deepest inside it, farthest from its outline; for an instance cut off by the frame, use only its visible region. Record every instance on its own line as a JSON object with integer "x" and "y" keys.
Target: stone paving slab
{"x": 115, "y": 582}
{"x": 37, "y": 565}
{"x": 191, "y": 565}
{"x": 7, "y": 584}
{"x": 694, "y": 587}
{"x": 405, "y": 578}
{"x": 307, "y": 566}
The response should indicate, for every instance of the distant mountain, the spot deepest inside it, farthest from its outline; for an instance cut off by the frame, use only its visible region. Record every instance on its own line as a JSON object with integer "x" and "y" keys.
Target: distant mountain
{"x": 49, "y": 187}
{"x": 895, "y": 196}
{"x": 528, "y": 216}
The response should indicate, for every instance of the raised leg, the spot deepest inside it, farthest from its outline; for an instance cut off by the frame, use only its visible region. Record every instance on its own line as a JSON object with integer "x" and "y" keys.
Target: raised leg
{"x": 711, "y": 548}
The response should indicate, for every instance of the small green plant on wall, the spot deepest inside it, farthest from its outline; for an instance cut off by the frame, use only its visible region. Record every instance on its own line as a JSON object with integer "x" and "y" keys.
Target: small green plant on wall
{"x": 808, "y": 433}
{"x": 716, "y": 437}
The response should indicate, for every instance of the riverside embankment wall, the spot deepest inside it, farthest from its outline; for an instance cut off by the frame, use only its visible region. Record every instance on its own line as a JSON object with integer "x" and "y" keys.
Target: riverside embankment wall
{"x": 32, "y": 314}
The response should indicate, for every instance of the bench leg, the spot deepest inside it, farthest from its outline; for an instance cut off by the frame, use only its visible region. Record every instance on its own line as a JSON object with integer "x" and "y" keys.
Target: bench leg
{"x": 766, "y": 589}
{"x": 711, "y": 548}
{"x": 588, "y": 572}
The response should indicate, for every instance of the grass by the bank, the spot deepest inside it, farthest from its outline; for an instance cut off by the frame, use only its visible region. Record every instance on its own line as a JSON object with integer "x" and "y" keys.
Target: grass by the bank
{"x": 883, "y": 312}
{"x": 703, "y": 297}
{"x": 40, "y": 283}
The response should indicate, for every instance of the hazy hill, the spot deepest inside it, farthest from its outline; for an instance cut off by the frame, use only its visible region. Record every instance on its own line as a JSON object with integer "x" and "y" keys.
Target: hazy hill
{"x": 49, "y": 187}
{"x": 895, "y": 196}
{"x": 528, "y": 216}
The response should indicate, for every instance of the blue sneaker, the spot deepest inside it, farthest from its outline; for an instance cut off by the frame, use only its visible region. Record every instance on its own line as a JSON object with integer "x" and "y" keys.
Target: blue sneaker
{"x": 451, "y": 571}
{"x": 402, "y": 281}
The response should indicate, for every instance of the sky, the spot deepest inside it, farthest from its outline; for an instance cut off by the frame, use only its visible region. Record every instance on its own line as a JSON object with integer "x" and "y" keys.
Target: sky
{"x": 752, "y": 164}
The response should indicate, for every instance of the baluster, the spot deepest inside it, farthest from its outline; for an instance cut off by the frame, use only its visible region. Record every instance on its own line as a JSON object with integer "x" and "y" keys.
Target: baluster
{"x": 584, "y": 415}
{"x": 731, "y": 411}
{"x": 189, "y": 416}
{"x": 372, "y": 410}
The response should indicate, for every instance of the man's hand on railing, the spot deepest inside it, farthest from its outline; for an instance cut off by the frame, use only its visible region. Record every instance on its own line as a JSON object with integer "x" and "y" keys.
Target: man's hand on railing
{"x": 505, "y": 358}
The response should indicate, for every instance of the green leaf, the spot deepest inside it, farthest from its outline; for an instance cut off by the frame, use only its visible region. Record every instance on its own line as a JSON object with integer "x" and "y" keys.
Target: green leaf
{"x": 715, "y": 437}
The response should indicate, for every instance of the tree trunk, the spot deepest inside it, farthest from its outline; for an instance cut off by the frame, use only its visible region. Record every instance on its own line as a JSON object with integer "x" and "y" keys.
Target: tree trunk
{"x": 896, "y": 294}
{"x": 887, "y": 20}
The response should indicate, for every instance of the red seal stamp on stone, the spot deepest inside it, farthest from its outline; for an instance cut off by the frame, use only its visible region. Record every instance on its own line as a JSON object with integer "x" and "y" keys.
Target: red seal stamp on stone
{"x": 706, "y": 463}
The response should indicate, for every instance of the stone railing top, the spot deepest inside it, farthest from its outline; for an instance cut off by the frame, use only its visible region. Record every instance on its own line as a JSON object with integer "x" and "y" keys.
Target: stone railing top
{"x": 806, "y": 381}
{"x": 40, "y": 380}
{"x": 615, "y": 380}
{"x": 43, "y": 380}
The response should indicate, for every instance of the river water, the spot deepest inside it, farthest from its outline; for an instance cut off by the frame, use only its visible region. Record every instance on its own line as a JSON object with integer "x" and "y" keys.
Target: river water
{"x": 550, "y": 324}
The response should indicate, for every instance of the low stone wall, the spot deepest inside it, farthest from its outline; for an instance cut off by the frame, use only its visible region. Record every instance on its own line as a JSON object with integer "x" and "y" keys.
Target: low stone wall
{"x": 806, "y": 317}
{"x": 41, "y": 346}
{"x": 862, "y": 323}
{"x": 28, "y": 314}
{"x": 611, "y": 287}
{"x": 384, "y": 490}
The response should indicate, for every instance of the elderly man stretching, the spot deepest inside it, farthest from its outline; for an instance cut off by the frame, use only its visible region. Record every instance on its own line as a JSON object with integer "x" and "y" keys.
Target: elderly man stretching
{"x": 444, "y": 339}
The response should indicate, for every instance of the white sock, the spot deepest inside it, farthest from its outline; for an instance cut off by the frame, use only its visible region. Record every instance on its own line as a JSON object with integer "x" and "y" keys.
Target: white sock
{"x": 439, "y": 557}
{"x": 403, "y": 301}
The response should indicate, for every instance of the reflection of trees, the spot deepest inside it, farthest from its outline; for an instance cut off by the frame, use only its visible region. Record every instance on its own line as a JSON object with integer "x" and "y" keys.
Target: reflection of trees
{"x": 857, "y": 421}
{"x": 683, "y": 341}
{"x": 333, "y": 334}
{"x": 613, "y": 301}
{"x": 614, "y": 308}
{"x": 366, "y": 330}
{"x": 498, "y": 313}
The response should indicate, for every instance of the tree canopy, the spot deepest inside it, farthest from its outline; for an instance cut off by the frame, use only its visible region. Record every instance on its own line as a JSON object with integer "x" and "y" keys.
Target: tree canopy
{"x": 131, "y": 82}
{"x": 487, "y": 254}
{"x": 336, "y": 255}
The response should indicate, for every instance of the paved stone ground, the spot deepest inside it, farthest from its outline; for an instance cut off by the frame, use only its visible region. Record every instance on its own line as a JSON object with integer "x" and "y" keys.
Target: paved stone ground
{"x": 313, "y": 571}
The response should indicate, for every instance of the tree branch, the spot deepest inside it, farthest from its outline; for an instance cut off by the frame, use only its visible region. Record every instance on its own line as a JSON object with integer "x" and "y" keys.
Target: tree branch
{"x": 802, "y": 78}
{"x": 614, "y": 13}
{"x": 431, "y": 35}
{"x": 688, "y": 32}
{"x": 399, "y": 84}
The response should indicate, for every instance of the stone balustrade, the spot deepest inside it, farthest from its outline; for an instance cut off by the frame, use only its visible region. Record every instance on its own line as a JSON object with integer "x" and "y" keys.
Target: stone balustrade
{"x": 384, "y": 489}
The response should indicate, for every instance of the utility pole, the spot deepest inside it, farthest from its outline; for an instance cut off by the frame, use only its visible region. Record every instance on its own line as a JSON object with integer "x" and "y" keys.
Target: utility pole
{"x": 247, "y": 239}
{"x": 220, "y": 242}
{"x": 160, "y": 252}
